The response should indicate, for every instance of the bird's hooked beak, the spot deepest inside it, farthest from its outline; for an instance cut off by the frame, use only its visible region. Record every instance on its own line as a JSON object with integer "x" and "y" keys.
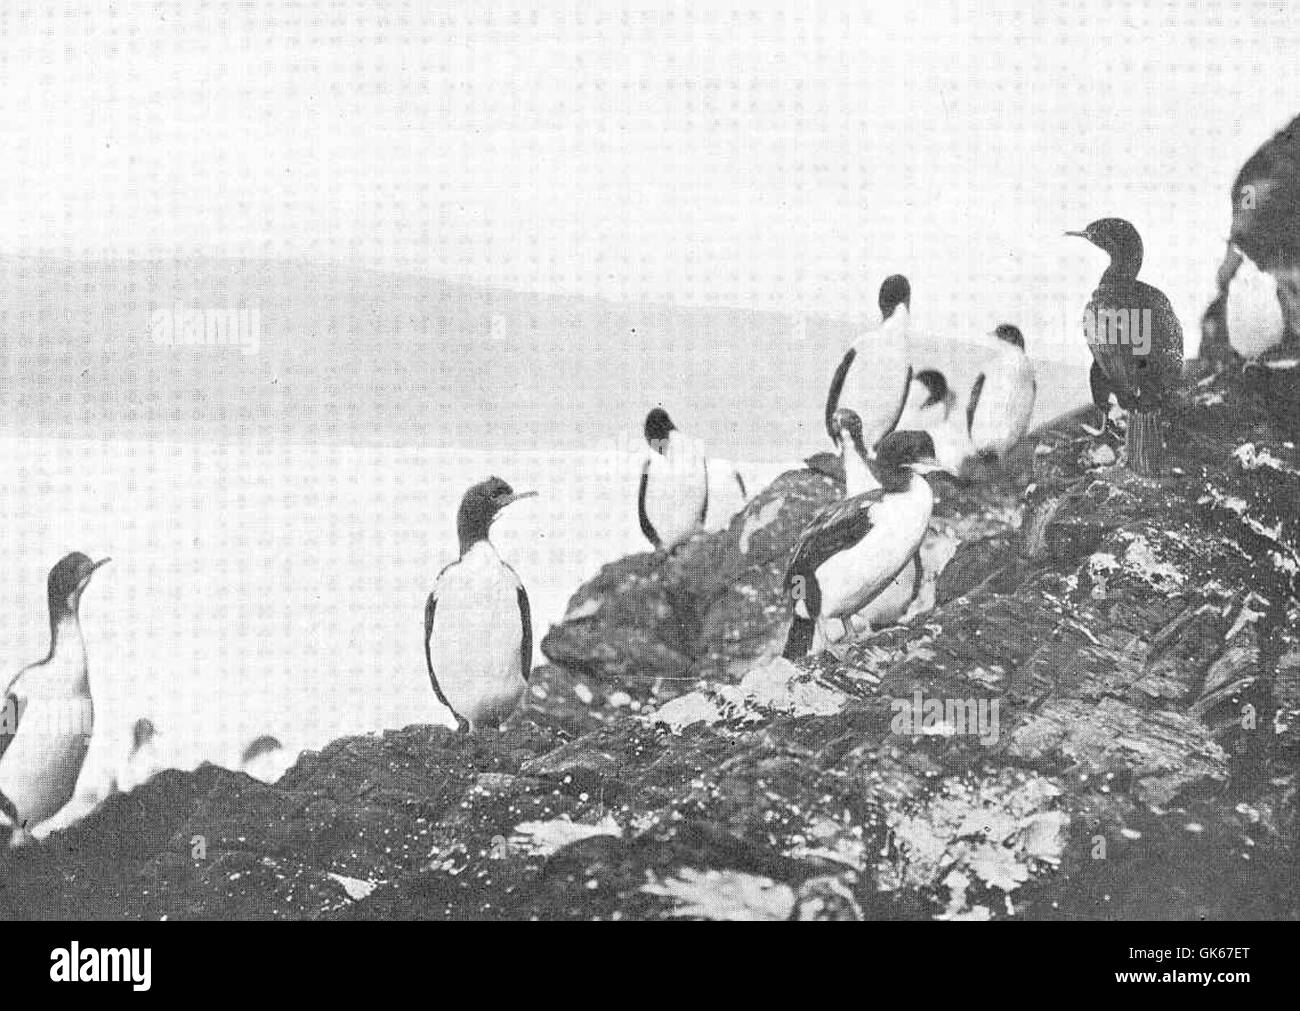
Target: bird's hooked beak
{"x": 501, "y": 501}
{"x": 1077, "y": 235}
{"x": 86, "y": 579}
{"x": 928, "y": 465}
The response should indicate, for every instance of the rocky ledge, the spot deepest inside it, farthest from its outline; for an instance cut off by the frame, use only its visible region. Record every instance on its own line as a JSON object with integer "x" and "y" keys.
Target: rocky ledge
{"x": 1094, "y": 712}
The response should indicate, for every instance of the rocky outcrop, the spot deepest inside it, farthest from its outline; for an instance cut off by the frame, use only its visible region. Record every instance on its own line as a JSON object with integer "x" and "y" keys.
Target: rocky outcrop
{"x": 649, "y": 624}
{"x": 1099, "y": 717}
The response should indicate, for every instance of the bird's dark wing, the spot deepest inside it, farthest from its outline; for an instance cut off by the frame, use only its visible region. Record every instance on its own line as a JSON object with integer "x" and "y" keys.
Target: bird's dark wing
{"x": 902, "y": 405}
{"x": 1140, "y": 380}
{"x": 430, "y": 608}
{"x": 975, "y": 392}
{"x": 647, "y": 527}
{"x": 1117, "y": 361}
{"x": 740, "y": 481}
{"x": 827, "y": 464}
{"x": 837, "y": 387}
{"x": 1160, "y": 372}
{"x": 704, "y": 506}
{"x": 526, "y": 623}
{"x": 835, "y": 528}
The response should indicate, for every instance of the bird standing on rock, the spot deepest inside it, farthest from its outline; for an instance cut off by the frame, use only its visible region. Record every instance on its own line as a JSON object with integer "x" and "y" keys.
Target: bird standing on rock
{"x": 1136, "y": 343}
{"x": 1002, "y": 401}
{"x": 478, "y": 632}
{"x": 48, "y": 714}
{"x": 860, "y": 478}
{"x": 673, "y": 500}
{"x": 855, "y": 550}
{"x": 874, "y": 375}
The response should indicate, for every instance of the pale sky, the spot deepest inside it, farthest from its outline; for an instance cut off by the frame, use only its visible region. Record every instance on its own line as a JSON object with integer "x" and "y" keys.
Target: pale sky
{"x": 743, "y": 156}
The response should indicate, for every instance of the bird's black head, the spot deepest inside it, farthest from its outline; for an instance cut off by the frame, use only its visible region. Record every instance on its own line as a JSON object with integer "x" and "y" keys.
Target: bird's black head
{"x": 894, "y": 291}
{"x": 264, "y": 745}
{"x": 657, "y": 427}
{"x": 846, "y": 422}
{"x": 901, "y": 452}
{"x": 1118, "y": 238}
{"x": 1266, "y": 202}
{"x": 67, "y": 579}
{"x": 142, "y": 733}
{"x": 936, "y": 386}
{"x": 480, "y": 506}
{"x": 1011, "y": 334}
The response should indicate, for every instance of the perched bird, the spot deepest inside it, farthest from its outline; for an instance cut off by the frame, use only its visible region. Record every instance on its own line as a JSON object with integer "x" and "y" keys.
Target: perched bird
{"x": 855, "y": 549}
{"x": 860, "y": 478}
{"x": 1002, "y": 399}
{"x": 48, "y": 715}
{"x": 478, "y": 632}
{"x": 874, "y": 375}
{"x": 1136, "y": 343}
{"x": 673, "y": 499}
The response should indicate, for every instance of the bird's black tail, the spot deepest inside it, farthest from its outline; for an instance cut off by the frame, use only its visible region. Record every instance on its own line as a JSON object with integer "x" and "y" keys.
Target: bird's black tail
{"x": 800, "y": 639}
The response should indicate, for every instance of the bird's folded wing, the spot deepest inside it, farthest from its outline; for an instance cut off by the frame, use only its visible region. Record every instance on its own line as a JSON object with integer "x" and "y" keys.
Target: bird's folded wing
{"x": 430, "y": 609}
{"x": 526, "y": 624}
{"x": 837, "y": 388}
{"x": 976, "y": 392}
{"x": 837, "y": 527}
{"x": 647, "y": 528}
{"x": 1118, "y": 364}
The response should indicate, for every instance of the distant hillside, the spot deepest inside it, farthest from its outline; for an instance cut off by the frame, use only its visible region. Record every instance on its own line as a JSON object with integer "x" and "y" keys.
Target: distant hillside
{"x": 368, "y": 358}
